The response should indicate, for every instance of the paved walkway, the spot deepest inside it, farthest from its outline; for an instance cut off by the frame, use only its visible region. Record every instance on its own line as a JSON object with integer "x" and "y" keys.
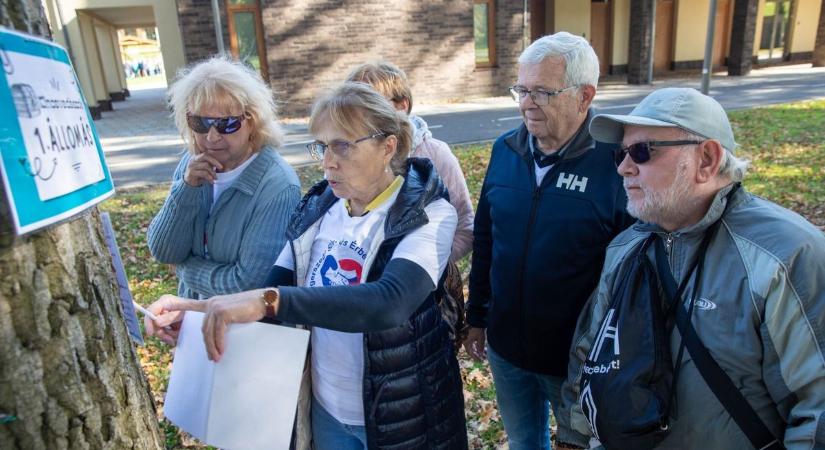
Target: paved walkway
{"x": 143, "y": 147}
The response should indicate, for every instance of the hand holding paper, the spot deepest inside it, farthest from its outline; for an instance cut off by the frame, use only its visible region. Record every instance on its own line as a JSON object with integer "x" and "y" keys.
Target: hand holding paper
{"x": 168, "y": 311}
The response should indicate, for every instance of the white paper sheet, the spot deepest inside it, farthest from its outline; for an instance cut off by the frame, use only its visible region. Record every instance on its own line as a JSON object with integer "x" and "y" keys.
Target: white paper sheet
{"x": 248, "y": 400}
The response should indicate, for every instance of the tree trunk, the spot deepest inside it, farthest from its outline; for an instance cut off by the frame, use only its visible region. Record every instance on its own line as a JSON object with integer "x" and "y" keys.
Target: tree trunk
{"x": 819, "y": 47}
{"x": 69, "y": 374}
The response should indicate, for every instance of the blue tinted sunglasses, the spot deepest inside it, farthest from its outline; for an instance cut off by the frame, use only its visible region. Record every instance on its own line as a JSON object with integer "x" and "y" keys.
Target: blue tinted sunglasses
{"x": 223, "y": 125}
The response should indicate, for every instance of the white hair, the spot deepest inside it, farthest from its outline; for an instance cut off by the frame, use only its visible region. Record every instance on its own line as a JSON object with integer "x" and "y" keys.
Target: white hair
{"x": 581, "y": 65}
{"x": 228, "y": 82}
{"x": 731, "y": 166}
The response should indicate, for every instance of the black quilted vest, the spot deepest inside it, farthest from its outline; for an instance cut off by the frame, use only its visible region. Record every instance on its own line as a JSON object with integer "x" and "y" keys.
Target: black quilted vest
{"x": 413, "y": 397}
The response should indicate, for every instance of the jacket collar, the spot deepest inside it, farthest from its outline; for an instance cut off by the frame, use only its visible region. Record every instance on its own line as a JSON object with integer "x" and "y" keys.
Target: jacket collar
{"x": 580, "y": 143}
{"x": 421, "y": 187}
{"x": 251, "y": 177}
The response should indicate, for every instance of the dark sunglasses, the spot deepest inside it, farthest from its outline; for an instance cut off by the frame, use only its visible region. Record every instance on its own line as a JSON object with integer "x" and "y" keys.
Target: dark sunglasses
{"x": 640, "y": 151}
{"x": 223, "y": 125}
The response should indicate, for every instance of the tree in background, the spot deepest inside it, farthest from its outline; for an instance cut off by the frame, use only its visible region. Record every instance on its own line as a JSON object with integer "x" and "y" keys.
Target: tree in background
{"x": 69, "y": 374}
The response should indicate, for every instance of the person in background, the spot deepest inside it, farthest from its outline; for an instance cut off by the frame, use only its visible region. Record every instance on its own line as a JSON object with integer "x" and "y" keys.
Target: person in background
{"x": 550, "y": 203}
{"x": 223, "y": 223}
{"x": 367, "y": 248}
{"x": 392, "y": 83}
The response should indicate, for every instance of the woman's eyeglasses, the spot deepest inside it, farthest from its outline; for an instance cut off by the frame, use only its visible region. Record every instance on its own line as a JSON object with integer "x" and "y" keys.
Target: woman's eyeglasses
{"x": 223, "y": 125}
{"x": 339, "y": 148}
{"x": 640, "y": 151}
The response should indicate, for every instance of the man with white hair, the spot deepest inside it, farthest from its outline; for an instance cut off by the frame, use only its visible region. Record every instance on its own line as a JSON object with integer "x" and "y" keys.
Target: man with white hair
{"x": 550, "y": 204}
{"x": 719, "y": 341}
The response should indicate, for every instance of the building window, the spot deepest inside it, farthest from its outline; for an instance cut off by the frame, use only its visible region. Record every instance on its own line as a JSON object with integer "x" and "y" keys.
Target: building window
{"x": 246, "y": 37}
{"x": 484, "y": 32}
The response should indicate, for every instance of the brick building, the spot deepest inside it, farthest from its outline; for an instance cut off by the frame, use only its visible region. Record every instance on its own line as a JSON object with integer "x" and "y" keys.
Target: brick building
{"x": 451, "y": 49}
{"x": 304, "y": 46}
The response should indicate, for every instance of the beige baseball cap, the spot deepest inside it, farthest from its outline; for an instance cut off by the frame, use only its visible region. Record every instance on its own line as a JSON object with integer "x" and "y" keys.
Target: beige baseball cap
{"x": 684, "y": 108}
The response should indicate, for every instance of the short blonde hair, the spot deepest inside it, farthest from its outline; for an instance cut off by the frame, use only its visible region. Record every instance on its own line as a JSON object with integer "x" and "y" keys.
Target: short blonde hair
{"x": 387, "y": 78}
{"x": 355, "y": 106}
{"x": 221, "y": 81}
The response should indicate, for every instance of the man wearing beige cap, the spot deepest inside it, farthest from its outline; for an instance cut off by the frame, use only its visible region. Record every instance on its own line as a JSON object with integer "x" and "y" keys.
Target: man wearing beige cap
{"x": 707, "y": 329}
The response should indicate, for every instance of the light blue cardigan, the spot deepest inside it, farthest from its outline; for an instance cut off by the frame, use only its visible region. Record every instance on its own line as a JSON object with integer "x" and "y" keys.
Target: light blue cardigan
{"x": 244, "y": 232}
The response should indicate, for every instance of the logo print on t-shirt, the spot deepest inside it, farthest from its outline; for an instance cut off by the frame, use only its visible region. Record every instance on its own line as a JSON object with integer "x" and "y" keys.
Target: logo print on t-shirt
{"x": 343, "y": 272}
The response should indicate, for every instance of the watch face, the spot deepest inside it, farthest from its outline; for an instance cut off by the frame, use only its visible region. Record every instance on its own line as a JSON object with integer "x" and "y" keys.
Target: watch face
{"x": 270, "y": 296}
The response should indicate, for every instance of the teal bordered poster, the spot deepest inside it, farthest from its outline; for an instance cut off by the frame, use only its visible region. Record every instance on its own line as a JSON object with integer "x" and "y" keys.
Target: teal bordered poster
{"x": 52, "y": 161}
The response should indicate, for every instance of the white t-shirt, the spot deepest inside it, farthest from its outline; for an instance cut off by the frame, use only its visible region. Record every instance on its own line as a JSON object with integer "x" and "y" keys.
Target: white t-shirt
{"x": 225, "y": 179}
{"x": 338, "y": 253}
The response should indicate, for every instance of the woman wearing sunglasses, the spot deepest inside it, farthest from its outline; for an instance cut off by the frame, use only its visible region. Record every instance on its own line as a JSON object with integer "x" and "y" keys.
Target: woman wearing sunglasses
{"x": 223, "y": 223}
{"x": 367, "y": 248}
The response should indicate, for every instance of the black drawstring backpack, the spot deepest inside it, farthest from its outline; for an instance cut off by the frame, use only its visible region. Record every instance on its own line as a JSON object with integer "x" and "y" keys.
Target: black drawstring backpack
{"x": 627, "y": 377}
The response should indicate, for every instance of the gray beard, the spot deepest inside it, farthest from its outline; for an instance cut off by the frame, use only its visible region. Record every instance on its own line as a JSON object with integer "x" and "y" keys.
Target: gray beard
{"x": 666, "y": 206}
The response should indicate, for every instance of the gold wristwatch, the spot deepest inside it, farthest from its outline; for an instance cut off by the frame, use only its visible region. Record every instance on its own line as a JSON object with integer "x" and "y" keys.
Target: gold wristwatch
{"x": 270, "y": 298}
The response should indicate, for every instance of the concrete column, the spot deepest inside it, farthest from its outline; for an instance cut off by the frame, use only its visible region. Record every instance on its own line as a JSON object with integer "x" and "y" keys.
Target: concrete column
{"x": 89, "y": 42}
{"x": 65, "y": 17}
{"x": 639, "y": 51}
{"x": 124, "y": 89}
{"x": 169, "y": 37}
{"x": 108, "y": 61}
{"x": 743, "y": 32}
{"x": 819, "y": 46}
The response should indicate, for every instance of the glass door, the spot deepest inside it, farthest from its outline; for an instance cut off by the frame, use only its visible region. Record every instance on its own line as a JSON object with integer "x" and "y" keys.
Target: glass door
{"x": 246, "y": 39}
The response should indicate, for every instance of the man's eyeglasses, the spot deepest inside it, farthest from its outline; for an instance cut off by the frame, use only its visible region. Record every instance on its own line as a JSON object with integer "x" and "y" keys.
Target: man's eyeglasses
{"x": 539, "y": 96}
{"x": 640, "y": 151}
{"x": 340, "y": 149}
{"x": 223, "y": 125}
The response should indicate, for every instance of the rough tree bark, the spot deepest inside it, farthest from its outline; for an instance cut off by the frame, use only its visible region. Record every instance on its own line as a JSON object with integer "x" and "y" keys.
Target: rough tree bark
{"x": 819, "y": 46}
{"x": 69, "y": 374}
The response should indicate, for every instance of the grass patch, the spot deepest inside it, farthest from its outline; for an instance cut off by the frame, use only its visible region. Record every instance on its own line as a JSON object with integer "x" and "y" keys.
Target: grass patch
{"x": 786, "y": 144}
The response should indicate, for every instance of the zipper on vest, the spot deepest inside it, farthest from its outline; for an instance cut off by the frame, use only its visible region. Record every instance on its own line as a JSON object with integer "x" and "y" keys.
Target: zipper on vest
{"x": 534, "y": 206}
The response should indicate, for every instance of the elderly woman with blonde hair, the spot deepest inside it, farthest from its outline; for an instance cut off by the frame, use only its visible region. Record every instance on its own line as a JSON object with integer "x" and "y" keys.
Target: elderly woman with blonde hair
{"x": 366, "y": 253}
{"x": 223, "y": 223}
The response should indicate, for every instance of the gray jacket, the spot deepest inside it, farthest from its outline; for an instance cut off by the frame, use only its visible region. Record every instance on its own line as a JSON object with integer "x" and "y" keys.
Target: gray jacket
{"x": 761, "y": 316}
{"x": 232, "y": 248}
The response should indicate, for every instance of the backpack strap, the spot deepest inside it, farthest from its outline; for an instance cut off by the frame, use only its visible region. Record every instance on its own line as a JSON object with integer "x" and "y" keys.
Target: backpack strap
{"x": 717, "y": 380}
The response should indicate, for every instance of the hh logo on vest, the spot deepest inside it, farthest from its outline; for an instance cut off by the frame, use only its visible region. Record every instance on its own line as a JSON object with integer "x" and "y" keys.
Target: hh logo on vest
{"x": 572, "y": 182}
{"x": 609, "y": 330}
